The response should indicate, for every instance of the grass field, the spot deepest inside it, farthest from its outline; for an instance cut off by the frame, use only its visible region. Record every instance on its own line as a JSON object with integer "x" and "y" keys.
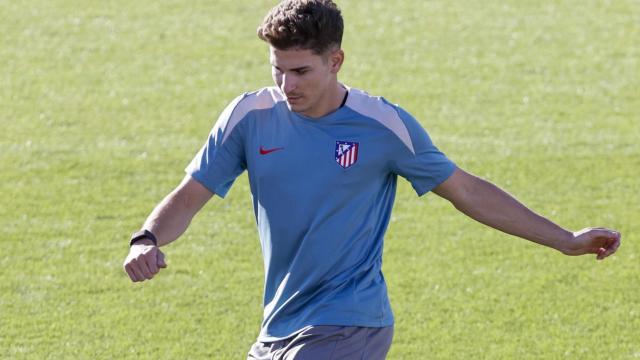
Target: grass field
{"x": 103, "y": 103}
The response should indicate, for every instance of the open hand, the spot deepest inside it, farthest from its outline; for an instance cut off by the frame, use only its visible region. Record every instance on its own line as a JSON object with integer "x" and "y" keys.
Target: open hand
{"x": 144, "y": 261}
{"x": 600, "y": 241}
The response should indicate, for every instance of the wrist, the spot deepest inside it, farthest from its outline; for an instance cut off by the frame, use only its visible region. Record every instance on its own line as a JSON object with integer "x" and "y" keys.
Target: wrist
{"x": 143, "y": 235}
{"x": 143, "y": 241}
{"x": 564, "y": 242}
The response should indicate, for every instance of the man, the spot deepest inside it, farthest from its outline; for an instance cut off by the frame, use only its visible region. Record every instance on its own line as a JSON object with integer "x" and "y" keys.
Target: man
{"x": 323, "y": 160}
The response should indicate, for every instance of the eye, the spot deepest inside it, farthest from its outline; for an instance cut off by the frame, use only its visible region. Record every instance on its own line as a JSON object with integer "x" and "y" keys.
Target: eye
{"x": 302, "y": 72}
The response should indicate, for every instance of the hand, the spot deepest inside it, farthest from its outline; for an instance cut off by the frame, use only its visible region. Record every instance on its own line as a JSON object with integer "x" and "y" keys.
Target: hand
{"x": 600, "y": 241}
{"x": 144, "y": 261}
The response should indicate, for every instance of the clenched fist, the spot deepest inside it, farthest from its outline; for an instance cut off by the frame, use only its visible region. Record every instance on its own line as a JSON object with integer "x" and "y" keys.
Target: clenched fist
{"x": 600, "y": 241}
{"x": 144, "y": 261}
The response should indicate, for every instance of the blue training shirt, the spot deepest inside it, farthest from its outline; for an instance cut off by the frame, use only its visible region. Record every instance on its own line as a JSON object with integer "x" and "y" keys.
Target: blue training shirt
{"x": 323, "y": 190}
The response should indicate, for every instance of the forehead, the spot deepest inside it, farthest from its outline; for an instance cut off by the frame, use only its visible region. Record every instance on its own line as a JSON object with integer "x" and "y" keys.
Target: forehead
{"x": 293, "y": 58}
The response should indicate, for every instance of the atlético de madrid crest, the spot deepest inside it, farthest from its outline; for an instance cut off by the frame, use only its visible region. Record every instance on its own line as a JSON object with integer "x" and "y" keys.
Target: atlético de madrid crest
{"x": 346, "y": 153}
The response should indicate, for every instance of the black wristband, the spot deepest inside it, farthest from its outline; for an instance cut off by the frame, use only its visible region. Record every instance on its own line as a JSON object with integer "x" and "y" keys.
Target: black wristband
{"x": 143, "y": 234}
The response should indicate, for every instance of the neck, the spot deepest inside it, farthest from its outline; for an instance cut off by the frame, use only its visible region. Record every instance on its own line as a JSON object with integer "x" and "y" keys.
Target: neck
{"x": 331, "y": 102}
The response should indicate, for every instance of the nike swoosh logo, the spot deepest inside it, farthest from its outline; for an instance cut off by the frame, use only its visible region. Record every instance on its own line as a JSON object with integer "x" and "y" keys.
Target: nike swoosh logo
{"x": 264, "y": 151}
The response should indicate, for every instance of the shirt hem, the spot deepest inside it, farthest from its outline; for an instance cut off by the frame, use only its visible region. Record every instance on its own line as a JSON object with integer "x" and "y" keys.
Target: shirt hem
{"x": 372, "y": 324}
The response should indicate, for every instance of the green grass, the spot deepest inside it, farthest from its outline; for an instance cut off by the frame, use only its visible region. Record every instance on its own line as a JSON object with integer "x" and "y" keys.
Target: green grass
{"x": 102, "y": 104}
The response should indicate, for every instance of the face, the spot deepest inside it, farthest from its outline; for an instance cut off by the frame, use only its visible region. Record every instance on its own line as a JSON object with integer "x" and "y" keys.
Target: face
{"x": 308, "y": 81}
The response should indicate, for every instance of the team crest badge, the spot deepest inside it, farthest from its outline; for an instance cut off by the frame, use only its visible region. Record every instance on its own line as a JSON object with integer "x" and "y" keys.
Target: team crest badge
{"x": 346, "y": 153}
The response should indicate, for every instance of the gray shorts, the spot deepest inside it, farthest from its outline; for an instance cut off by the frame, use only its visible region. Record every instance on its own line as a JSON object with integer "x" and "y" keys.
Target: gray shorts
{"x": 328, "y": 343}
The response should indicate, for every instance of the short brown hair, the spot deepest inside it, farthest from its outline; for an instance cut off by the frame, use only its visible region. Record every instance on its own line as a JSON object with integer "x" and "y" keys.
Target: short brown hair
{"x": 314, "y": 25}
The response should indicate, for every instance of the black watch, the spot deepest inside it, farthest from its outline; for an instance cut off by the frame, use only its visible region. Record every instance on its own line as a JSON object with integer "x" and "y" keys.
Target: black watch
{"x": 143, "y": 234}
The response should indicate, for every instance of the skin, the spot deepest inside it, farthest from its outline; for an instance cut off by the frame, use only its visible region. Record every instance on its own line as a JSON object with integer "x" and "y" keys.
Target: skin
{"x": 310, "y": 83}
{"x": 492, "y": 206}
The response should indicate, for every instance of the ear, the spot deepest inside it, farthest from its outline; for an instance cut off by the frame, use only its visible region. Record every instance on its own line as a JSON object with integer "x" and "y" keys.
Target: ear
{"x": 336, "y": 58}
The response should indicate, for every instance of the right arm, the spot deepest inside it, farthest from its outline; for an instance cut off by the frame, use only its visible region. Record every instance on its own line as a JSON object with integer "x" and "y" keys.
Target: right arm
{"x": 173, "y": 215}
{"x": 167, "y": 222}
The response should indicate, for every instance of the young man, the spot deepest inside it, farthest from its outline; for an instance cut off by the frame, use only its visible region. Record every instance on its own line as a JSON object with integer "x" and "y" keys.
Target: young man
{"x": 323, "y": 160}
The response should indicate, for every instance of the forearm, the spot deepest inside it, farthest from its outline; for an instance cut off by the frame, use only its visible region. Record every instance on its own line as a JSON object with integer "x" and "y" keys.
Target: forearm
{"x": 494, "y": 207}
{"x": 174, "y": 213}
{"x": 168, "y": 220}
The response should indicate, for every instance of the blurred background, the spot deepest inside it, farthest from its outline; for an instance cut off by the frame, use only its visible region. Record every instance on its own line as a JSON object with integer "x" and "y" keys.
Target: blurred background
{"x": 103, "y": 104}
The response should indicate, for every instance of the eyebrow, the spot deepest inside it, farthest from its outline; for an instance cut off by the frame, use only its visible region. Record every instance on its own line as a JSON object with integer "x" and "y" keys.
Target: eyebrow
{"x": 305, "y": 67}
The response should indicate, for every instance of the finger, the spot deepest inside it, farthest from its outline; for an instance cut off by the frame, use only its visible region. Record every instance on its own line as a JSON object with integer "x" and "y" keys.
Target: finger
{"x": 160, "y": 258}
{"x": 616, "y": 243}
{"x": 141, "y": 273}
{"x": 144, "y": 269}
{"x": 151, "y": 262}
{"x": 611, "y": 247}
{"x": 617, "y": 237}
{"x": 137, "y": 275}
{"x": 131, "y": 274}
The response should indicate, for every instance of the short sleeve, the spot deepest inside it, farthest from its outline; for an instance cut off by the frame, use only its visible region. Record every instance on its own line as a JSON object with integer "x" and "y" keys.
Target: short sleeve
{"x": 221, "y": 159}
{"x": 421, "y": 163}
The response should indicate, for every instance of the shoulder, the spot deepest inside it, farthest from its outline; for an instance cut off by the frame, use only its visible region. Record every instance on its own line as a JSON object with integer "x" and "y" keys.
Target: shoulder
{"x": 391, "y": 116}
{"x": 242, "y": 105}
{"x": 264, "y": 98}
{"x": 261, "y": 99}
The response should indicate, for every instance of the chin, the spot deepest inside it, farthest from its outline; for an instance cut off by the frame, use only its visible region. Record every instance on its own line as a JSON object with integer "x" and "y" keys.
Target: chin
{"x": 296, "y": 107}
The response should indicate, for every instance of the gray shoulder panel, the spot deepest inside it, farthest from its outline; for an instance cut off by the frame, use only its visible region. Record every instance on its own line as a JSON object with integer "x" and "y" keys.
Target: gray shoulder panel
{"x": 381, "y": 111}
{"x": 238, "y": 109}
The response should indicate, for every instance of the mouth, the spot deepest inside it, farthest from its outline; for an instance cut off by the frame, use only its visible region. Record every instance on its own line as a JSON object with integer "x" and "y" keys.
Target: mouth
{"x": 291, "y": 99}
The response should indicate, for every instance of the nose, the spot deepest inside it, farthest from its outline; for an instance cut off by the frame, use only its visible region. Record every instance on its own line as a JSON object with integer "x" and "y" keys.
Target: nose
{"x": 288, "y": 83}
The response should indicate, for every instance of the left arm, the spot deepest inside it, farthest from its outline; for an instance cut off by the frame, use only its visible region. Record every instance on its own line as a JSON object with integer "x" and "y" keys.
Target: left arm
{"x": 488, "y": 204}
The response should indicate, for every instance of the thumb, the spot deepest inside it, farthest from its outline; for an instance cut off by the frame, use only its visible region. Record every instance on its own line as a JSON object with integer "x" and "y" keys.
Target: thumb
{"x": 160, "y": 259}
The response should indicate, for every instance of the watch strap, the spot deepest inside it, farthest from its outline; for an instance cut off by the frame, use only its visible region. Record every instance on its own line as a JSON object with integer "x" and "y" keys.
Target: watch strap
{"x": 143, "y": 234}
